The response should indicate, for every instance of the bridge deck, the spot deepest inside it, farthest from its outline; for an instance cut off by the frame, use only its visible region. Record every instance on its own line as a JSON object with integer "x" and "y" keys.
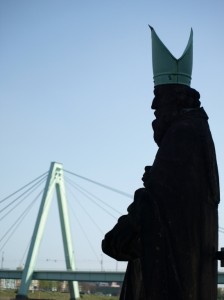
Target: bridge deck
{"x": 66, "y": 275}
{"x": 75, "y": 275}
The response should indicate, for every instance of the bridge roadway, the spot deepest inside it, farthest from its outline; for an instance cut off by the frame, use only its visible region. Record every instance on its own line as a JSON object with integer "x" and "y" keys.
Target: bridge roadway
{"x": 102, "y": 276}
{"x": 58, "y": 275}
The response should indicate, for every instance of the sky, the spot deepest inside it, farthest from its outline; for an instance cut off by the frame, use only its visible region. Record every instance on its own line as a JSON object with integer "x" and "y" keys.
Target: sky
{"x": 76, "y": 86}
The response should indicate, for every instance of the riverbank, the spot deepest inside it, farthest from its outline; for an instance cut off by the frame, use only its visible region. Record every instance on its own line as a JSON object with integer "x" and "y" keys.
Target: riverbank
{"x": 10, "y": 295}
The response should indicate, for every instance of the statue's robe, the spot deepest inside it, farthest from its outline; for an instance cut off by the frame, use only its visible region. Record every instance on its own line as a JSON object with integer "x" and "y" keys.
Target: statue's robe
{"x": 170, "y": 235}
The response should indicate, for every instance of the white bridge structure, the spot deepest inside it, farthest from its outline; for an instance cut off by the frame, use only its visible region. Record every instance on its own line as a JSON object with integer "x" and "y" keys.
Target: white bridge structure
{"x": 55, "y": 180}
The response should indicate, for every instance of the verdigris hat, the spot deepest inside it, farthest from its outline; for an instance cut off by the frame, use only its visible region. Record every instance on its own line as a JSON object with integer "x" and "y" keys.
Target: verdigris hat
{"x": 166, "y": 68}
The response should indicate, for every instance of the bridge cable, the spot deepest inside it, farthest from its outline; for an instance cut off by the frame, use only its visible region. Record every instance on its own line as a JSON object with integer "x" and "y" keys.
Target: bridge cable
{"x": 77, "y": 186}
{"x": 34, "y": 187}
{"x": 79, "y": 223}
{"x": 83, "y": 230}
{"x": 1, "y": 201}
{"x": 90, "y": 217}
{"x": 18, "y": 221}
{"x": 88, "y": 197}
{"x": 25, "y": 252}
{"x": 101, "y": 184}
{"x": 221, "y": 229}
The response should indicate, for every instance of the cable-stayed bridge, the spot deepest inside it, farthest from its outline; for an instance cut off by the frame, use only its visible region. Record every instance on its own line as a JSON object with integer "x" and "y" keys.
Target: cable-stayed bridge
{"x": 20, "y": 205}
{"x": 91, "y": 215}
{"x": 71, "y": 198}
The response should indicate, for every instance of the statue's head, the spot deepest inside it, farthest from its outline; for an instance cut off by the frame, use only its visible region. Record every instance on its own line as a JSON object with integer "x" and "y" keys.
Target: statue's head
{"x": 169, "y": 103}
{"x": 172, "y": 79}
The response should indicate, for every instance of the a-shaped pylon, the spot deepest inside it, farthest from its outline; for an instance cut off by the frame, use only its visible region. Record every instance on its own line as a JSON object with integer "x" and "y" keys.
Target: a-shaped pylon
{"x": 55, "y": 180}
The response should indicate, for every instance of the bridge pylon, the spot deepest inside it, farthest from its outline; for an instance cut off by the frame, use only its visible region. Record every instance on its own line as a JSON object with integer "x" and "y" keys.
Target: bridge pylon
{"x": 55, "y": 180}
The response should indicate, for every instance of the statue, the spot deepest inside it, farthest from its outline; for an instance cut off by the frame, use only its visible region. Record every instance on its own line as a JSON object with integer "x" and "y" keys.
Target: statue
{"x": 170, "y": 234}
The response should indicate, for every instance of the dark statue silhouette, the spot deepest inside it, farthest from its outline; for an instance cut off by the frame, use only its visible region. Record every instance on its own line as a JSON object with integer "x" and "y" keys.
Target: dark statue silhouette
{"x": 170, "y": 234}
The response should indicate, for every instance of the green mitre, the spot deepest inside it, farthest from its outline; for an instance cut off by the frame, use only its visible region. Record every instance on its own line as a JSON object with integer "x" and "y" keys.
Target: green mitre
{"x": 166, "y": 68}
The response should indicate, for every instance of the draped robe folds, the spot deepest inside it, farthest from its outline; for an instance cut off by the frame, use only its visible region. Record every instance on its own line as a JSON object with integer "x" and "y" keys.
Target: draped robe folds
{"x": 170, "y": 235}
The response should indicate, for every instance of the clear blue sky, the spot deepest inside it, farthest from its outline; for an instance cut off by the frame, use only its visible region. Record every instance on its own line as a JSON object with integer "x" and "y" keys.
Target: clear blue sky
{"x": 76, "y": 87}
